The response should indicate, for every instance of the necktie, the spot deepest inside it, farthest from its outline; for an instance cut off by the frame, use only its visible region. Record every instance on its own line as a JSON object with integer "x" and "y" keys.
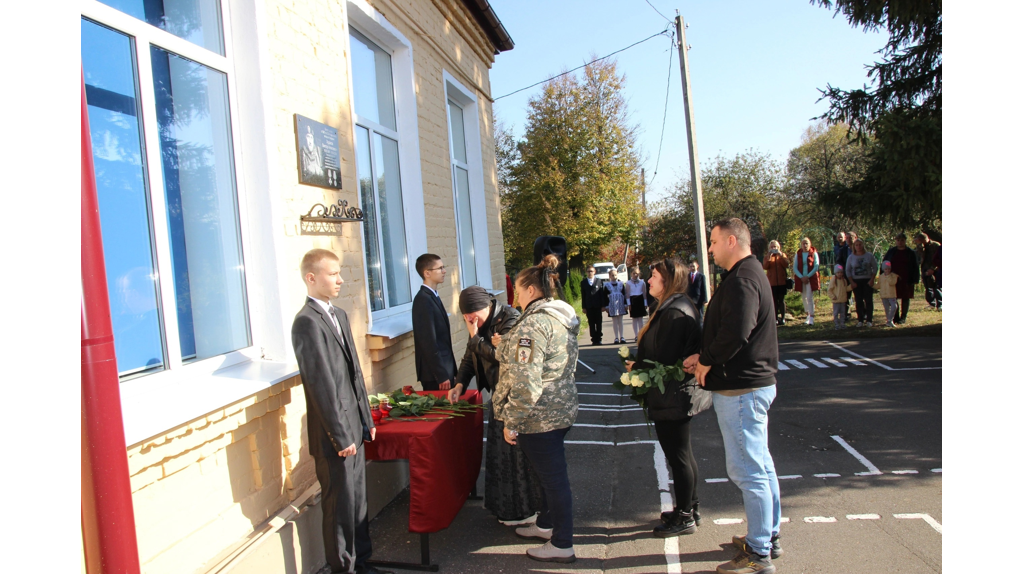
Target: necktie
{"x": 337, "y": 325}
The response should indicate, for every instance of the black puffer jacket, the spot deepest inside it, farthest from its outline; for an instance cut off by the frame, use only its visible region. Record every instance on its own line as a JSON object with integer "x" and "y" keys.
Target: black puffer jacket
{"x": 674, "y": 334}
{"x": 480, "y": 359}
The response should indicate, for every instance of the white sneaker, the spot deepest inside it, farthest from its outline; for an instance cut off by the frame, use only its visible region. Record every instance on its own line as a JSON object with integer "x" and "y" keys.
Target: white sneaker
{"x": 868, "y": 323}
{"x": 810, "y": 320}
{"x": 550, "y": 553}
{"x": 889, "y": 324}
{"x": 527, "y": 520}
{"x": 534, "y": 532}
{"x": 860, "y": 323}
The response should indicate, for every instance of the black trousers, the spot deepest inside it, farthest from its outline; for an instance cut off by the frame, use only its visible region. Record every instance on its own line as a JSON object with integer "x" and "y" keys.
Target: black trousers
{"x": 431, "y": 385}
{"x": 346, "y": 526}
{"x": 546, "y": 452}
{"x": 865, "y": 298}
{"x": 904, "y": 306}
{"x": 674, "y": 437}
{"x": 932, "y": 293}
{"x": 779, "y": 298}
{"x": 595, "y": 318}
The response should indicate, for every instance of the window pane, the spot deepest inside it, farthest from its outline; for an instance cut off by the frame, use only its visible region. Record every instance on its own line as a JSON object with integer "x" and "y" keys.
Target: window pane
{"x": 197, "y": 21}
{"x": 458, "y": 132}
{"x": 392, "y": 220}
{"x": 466, "y": 248}
{"x": 370, "y": 237}
{"x": 110, "y": 88}
{"x": 373, "y": 91}
{"x": 199, "y": 182}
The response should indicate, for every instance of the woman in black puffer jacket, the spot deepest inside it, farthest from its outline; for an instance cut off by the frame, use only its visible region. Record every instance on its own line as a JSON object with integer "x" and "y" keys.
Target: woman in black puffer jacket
{"x": 673, "y": 333}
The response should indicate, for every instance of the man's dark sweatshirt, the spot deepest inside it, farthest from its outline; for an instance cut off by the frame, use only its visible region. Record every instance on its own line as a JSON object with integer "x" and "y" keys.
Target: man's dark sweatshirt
{"x": 740, "y": 341}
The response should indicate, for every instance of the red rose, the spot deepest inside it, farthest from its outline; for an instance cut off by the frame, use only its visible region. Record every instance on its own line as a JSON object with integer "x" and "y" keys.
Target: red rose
{"x": 407, "y": 389}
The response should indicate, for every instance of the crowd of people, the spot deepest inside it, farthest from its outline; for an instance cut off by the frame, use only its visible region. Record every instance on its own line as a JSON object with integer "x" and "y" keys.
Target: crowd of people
{"x": 526, "y": 358}
{"x": 856, "y": 276}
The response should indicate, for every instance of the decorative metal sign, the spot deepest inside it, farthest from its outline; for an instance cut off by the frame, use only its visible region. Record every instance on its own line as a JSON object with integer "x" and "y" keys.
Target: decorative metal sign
{"x": 319, "y": 156}
{"x": 327, "y": 219}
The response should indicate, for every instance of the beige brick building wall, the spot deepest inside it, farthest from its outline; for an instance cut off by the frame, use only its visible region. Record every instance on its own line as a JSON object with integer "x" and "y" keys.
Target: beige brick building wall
{"x": 201, "y": 488}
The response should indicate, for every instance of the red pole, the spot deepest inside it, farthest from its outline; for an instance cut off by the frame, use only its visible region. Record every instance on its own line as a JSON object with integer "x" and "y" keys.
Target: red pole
{"x": 108, "y": 520}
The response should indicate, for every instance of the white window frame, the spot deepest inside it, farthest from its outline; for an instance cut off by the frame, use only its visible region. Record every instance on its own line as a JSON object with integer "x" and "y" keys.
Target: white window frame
{"x": 467, "y": 99}
{"x": 393, "y": 321}
{"x": 145, "y": 35}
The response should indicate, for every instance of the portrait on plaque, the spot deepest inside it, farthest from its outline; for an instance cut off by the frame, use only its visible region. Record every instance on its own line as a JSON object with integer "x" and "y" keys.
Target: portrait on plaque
{"x": 319, "y": 156}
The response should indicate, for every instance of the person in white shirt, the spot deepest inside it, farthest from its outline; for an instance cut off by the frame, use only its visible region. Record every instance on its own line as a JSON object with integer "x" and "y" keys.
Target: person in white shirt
{"x": 636, "y": 297}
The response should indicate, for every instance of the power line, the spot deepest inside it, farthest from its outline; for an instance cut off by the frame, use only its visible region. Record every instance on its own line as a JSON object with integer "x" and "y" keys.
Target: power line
{"x": 656, "y": 10}
{"x": 668, "y": 85}
{"x": 584, "y": 65}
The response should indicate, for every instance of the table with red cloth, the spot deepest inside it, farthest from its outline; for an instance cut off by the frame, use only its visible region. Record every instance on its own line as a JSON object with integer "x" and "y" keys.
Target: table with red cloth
{"x": 444, "y": 461}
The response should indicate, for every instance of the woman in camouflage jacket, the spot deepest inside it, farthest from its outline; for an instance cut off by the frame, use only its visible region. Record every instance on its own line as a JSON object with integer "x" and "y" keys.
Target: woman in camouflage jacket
{"x": 536, "y": 399}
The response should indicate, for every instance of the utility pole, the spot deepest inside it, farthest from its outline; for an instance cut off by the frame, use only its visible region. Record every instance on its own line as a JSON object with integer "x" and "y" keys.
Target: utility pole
{"x": 698, "y": 193}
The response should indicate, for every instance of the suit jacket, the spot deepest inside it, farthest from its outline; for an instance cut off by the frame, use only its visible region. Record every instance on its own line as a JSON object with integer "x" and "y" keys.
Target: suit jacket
{"x": 432, "y": 335}
{"x": 337, "y": 410}
{"x": 594, "y": 296}
{"x": 698, "y": 289}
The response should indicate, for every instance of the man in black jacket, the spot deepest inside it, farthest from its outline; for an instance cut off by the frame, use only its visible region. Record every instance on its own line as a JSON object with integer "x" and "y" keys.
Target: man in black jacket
{"x": 595, "y": 298}
{"x": 432, "y": 333}
{"x": 738, "y": 361}
{"x": 337, "y": 411}
{"x": 698, "y": 289}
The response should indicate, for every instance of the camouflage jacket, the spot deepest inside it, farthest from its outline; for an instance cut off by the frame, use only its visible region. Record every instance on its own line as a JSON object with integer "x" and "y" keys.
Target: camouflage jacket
{"x": 536, "y": 390}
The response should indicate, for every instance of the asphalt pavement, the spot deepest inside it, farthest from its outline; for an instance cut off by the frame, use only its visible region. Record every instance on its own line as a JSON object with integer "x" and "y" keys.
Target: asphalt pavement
{"x": 856, "y": 435}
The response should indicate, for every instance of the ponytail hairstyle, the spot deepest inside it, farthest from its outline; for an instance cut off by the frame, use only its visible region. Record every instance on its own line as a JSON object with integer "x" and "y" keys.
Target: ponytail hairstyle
{"x": 544, "y": 277}
{"x": 676, "y": 276}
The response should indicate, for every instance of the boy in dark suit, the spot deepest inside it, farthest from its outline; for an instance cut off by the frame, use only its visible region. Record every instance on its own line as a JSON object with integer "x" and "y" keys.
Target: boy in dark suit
{"x": 698, "y": 289}
{"x": 432, "y": 333}
{"x": 337, "y": 414}
{"x": 594, "y": 299}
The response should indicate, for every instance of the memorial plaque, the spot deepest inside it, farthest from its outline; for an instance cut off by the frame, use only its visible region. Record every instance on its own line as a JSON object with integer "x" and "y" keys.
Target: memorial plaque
{"x": 319, "y": 155}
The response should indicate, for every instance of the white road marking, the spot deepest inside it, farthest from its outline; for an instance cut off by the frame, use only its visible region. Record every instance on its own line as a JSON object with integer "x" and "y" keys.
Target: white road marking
{"x": 601, "y": 442}
{"x": 722, "y": 521}
{"x": 938, "y": 470}
{"x": 671, "y": 547}
{"x": 819, "y": 519}
{"x": 904, "y": 472}
{"x": 782, "y": 366}
{"x": 872, "y": 469}
{"x": 583, "y": 383}
{"x": 834, "y": 362}
{"x": 598, "y": 395}
{"x": 611, "y": 410}
{"x": 828, "y": 475}
{"x": 863, "y": 517}
{"x": 926, "y": 517}
{"x": 614, "y": 407}
{"x": 817, "y": 363}
{"x": 710, "y": 480}
{"x": 609, "y": 426}
{"x": 797, "y": 364}
{"x": 874, "y": 362}
{"x": 784, "y": 520}
{"x": 853, "y": 361}
{"x": 638, "y": 442}
{"x": 790, "y": 476}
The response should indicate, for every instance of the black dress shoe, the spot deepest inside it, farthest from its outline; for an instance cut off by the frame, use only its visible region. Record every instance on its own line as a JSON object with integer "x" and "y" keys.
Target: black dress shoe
{"x": 680, "y": 523}
{"x": 668, "y": 514}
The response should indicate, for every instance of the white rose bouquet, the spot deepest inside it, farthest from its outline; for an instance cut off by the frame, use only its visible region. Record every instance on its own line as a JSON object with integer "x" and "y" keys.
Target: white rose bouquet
{"x": 639, "y": 381}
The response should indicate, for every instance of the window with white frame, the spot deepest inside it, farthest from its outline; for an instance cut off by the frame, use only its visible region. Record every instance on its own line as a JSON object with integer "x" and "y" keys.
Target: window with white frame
{"x": 378, "y": 169}
{"x": 157, "y": 89}
{"x": 467, "y": 183}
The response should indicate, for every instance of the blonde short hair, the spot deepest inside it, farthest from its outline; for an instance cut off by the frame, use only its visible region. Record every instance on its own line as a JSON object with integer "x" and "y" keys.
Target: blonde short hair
{"x": 311, "y": 260}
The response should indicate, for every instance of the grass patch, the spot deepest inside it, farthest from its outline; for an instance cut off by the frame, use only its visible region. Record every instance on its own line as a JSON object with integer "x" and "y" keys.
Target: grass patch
{"x": 922, "y": 321}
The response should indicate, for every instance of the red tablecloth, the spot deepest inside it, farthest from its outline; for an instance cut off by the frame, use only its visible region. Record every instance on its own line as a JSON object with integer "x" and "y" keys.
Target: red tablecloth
{"x": 444, "y": 462}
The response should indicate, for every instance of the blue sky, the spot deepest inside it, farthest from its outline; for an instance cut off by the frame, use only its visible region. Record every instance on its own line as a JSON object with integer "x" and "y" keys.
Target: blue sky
{"x": 755, "y": 67}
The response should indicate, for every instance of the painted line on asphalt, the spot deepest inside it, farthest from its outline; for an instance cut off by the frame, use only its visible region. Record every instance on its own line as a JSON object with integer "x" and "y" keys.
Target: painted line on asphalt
{"x": 863, "y": 517}
{"x": 782, "y": 366}
{"x": 722, "y": 521}
{"x": 834, "y": 362}
{"x": 904, "y": 472}
{"x": 671, "y": 546}
{"x": 819, "y": 519}
{"x": 827, "y": 475}
{"x": 874, "y": 362}
{"x": 853, "y": 361}
{"x": 872, "y": 469}
{"x": 926, "y": 517}
{"x": 610, "y": 410}
{"x": 609, "y": 426}
{"x": 713, "y": 480}
{"x": 585, "y": 383}
{"x": 598, "y": 394}
{"x": 609, "y": 406}
{"x": 938, "y": 470}
{"x": 600, "y": 442}
{"x": 817, "y": 363}
{"x": 797, "y": 364}
{"x": 790, "y": 476}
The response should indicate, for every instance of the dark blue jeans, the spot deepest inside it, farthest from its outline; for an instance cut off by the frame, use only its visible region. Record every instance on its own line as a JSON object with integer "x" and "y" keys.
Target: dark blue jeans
{"x": 546, "y": 452}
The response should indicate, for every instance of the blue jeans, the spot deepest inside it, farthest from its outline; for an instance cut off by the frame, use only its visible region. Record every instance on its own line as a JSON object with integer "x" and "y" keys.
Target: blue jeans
{"x": 546, "y": 452}
{"x": 743, "y": 421}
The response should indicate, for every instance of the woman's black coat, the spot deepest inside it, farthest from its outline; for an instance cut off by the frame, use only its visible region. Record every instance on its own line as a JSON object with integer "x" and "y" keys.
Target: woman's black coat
{"x": 480, "y": 359}
{"x": 674, "y": 333}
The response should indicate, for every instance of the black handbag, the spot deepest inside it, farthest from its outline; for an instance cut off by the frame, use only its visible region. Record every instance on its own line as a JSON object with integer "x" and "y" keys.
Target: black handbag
{"x": 790, "y": 284}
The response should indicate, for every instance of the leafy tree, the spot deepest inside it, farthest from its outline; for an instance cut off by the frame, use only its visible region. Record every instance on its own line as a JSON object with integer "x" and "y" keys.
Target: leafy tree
{"x": 902, "y": 183}
{"x": 576, "y": 171}
{"x": 827, "y": 157}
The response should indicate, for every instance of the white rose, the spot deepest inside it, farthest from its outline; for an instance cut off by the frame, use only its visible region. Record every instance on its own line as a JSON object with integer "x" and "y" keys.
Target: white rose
{"x": 623, "y": 352}
{"x": 624, "y": 379}
{"x": 635, "y": 381}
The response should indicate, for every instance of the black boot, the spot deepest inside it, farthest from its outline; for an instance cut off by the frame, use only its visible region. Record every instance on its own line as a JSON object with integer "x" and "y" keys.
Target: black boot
{"x": 668, "y": 514}
{"x": 680, "y": 523}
